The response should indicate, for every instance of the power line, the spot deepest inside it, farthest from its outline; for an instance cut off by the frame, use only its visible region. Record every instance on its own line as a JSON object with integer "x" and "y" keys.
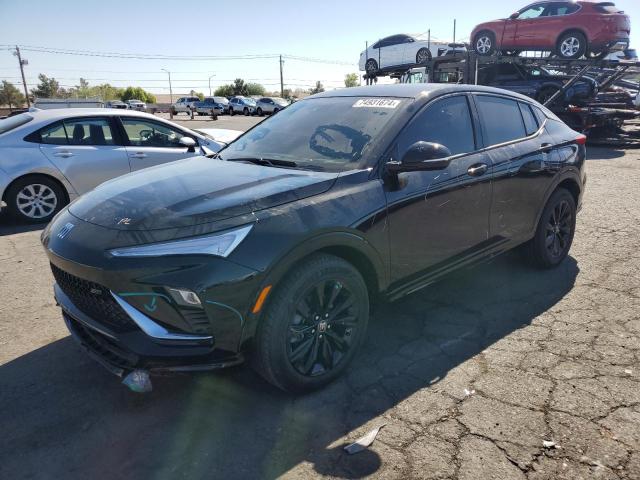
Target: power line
{"x": 153, "y": 56}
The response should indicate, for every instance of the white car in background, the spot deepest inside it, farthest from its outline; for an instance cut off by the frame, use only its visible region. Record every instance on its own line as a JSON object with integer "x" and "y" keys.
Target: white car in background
{"x": 138, "y": 105}
{"x": 397, "y": 51}
{"x": 50, "y": 157}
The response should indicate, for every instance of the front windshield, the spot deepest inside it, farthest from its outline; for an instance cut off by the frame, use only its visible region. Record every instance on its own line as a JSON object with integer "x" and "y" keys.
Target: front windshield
{"x": 330, "y": 134}
{"x": 221, "y": 100}
{"x": 249, "y": 101}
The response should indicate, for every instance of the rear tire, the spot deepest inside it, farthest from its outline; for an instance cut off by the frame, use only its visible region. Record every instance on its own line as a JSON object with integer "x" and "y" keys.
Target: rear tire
{"x": 571, "y": 45}
{"x": 35, "y": 199}
{"x": 313, "y": 324}
{"x": 231, "y": 112}
{"x": 260, "y": 112}
{"x": 246, "y": 112}
{"x": 554, "y": 234}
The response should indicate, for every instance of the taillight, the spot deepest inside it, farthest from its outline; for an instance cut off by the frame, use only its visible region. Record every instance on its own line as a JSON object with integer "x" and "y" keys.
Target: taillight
{"x": 581, "y": 139}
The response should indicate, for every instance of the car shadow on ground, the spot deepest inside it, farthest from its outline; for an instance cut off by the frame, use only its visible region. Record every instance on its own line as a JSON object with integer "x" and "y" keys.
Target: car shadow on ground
{"x": 601, "y": 153}
{"x": 10, "y": 226}
{"x": 63, "y": 416}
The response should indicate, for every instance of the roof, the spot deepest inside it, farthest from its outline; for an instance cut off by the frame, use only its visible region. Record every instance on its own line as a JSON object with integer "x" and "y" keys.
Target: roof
{"x": 412, "y": 90}
{"x": 60, "y": 113}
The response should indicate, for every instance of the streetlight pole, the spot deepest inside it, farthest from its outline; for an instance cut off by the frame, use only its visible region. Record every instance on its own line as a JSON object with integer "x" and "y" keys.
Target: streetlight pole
{"x": 210, "y": 83}
{"x": 170, "y": 91}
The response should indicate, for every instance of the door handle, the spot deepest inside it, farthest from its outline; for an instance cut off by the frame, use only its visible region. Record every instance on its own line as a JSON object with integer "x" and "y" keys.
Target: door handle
{"x": 63, "y": 154}
{"x": 546, "y": 147}
{"x": 139, "y": 155}
{"x": 477, "y": 169}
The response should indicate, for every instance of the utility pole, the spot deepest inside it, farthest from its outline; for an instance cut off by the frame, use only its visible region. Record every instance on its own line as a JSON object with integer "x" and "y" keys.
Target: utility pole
{"x": 210, "y": 83}
{"x": 24, "y": 82}
{"x": 281, "y": 81}
{"x": 170, "y": 91}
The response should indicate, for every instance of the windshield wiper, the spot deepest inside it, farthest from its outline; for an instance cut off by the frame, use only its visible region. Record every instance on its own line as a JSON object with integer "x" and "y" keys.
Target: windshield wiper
{"x": 265, "y": 162}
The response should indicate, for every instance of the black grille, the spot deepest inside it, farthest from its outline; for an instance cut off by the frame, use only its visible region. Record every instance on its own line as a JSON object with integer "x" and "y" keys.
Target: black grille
{"x": 93, "y": 300}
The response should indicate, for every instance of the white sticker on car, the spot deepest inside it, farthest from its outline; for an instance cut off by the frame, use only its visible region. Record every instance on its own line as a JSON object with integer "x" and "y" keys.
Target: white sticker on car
{"x": 376, "y": 103}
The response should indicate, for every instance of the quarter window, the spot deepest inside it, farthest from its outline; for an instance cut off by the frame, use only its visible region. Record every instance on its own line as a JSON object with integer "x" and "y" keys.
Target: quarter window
{"x": 530, "y": 124}
{"x": 500, "y": 118}
{"x": 143, "y": 133}
{"x": 53, "y": 135}
{"x": 447, "y": 121}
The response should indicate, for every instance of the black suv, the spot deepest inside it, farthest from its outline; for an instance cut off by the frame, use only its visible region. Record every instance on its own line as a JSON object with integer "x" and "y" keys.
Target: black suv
{"x": 276, "y": 248}
{"x": 537, "y": 82}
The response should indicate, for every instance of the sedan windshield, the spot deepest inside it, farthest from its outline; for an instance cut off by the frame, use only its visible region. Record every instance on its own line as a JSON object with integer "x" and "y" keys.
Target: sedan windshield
{"x": 330, "y": 134}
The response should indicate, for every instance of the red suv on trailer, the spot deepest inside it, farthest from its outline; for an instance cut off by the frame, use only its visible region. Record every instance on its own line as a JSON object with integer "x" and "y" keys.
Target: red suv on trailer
{"x": 568, "y": 29}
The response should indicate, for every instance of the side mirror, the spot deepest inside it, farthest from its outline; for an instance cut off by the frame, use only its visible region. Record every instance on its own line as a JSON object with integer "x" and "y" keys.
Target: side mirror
{"x": 422, "y": 156}
{"x": 514, "y": 15}
{"x": 188, "y": 142}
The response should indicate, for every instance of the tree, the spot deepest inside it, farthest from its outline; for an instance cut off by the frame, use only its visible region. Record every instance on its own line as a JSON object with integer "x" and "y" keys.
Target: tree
{"x": 255, "y": 89}
{"x": 351, "y": 80}
{"x": 317, "y": 89}
{"x": 286, "y": 93}
{"x": 105, "y": 91}
{"x": 200, "y": 95}
{"x": 10, "y": 95}
{"x": 224, "y": 91}
{"x": 137, "y": 93}
{"x": 239, "y": 87}
{"x": 48, "y": 88}
{"x": 82, "y": 90}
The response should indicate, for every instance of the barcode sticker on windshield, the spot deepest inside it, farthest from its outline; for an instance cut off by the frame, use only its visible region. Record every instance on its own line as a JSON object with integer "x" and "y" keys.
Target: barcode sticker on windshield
{"x": 376, "y": 103}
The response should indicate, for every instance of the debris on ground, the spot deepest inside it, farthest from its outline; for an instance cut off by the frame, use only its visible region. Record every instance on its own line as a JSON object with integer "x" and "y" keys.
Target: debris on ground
{"x": 363, "y": 442}
{"x": 468, "y": 392}
{"x": 138, "y": 381}
{"x": 549, "y": 444}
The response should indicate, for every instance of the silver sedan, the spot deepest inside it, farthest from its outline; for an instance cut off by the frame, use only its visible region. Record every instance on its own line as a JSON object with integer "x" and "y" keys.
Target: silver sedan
{"x": 49, "y": 157}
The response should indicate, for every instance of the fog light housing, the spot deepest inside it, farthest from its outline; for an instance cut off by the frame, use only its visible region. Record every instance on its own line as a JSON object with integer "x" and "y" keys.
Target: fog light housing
{"x": 184, "y": 297}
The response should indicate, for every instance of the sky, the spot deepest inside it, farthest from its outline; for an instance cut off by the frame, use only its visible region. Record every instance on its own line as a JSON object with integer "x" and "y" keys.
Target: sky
{"x": 332, "y": 31}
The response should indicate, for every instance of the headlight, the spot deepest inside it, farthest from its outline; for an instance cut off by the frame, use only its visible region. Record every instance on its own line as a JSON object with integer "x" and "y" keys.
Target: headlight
{"x": 220, "y": 245}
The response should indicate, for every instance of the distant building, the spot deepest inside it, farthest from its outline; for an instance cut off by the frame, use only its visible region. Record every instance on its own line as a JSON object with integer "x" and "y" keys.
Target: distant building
{"x": 50, "y": 103}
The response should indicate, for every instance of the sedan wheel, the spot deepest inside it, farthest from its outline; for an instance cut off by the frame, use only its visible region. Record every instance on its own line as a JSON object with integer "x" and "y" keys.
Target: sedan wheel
{"x": 313, "y": 324}
{"x": 35, "y": 199}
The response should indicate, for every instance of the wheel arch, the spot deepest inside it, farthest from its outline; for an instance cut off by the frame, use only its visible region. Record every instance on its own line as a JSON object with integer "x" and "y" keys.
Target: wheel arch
{"x": 346, "y": 245}
{"x": 53, "y": 178}
{"x": 573, "y": 29}
{"x": 569, "y": 180}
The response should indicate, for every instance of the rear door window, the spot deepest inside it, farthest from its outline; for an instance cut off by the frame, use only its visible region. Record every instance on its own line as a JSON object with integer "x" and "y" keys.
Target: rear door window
{"x": 89, "y": 131}
{"x": 447, "y": 121}
{"x": 500, "y": 118}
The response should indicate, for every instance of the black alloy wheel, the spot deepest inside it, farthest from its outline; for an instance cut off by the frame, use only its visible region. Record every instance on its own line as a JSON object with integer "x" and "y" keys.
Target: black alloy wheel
{"x": 423, "y": 56}
{"x": 554, "y": 234}
{"x": 322, "y": 329}
{"x": 371, "y": 67}
{"x": 313, "y": 324}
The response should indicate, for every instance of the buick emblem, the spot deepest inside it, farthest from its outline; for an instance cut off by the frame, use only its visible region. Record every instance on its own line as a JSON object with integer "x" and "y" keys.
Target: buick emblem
{"x": 64, "y": 231}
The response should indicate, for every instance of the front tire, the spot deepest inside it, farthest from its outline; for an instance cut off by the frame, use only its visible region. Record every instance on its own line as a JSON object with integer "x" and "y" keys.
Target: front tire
{"x": 231, "y": 112}
{"x": 572, "y": 45}
{"x": 35, "y": 199}
{"x": 313, "y": 324}
{"x": 260, "y": 112}
{"x": 371, "y": 67}
{"x": 554, "y": 234}
{"x": 423, "y": 56}
{"x": 246, "y": 112}
{"x": 484, "y": 44}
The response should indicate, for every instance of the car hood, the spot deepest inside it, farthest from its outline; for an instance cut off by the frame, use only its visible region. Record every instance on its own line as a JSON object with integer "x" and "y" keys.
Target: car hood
{"x": 194, "y": 191}
{"x": 223, "y": 135}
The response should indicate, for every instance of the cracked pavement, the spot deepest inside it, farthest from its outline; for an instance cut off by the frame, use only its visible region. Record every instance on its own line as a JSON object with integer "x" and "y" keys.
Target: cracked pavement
{"x": 470, "y": 375}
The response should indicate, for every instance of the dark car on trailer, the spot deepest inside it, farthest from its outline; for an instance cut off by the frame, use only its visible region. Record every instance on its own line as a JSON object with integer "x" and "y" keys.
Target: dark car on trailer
{"x": 276, "y": 249}
{"x": 537, "y": 82}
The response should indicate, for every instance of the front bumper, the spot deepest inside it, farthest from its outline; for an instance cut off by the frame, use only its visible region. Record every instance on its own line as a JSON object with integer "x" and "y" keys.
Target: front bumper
{"x": 122, "y": 352}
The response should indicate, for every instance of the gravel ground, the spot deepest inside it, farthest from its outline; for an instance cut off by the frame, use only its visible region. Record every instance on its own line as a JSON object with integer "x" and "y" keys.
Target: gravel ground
{"x": 470, "y": 376}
